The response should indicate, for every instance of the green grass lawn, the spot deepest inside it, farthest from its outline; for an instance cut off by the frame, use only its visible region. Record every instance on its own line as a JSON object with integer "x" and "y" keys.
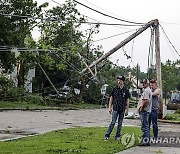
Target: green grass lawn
{"x": 18, "y": 105}
{"x": 173, "y": 116}
{"x": 29, "y": 106}
{"x": 74, "y": 140}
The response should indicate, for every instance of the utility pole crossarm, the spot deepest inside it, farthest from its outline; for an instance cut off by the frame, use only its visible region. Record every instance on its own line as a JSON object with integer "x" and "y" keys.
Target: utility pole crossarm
{"x": 128, "y": 39}
{"x": 85, "y": 64}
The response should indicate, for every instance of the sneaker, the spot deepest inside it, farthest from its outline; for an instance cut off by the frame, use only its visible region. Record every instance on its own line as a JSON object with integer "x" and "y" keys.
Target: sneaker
{"x": 144, "y": 144}
{"x": 106, "y": 138}
{"x": 117, "y": 138}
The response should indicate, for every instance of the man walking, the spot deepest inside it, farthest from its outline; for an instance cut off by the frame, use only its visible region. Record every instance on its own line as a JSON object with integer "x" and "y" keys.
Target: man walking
{"x": 118, "y": 106}
{"x": 144, "y": 109}
{"x": 155, "y": 105}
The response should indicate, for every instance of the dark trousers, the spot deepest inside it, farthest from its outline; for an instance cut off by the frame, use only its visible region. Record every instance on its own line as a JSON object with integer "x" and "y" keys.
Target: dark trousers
{"x": 154, "y": 118}
{"x": 145, "y": 126}
{"x": 120, "y": 117}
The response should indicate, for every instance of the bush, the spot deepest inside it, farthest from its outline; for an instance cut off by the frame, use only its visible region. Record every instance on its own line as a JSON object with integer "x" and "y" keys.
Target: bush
{"x": 171, "y": 117}
{"x": 177, "y": 111}
{"x": 5, "y": 85}
{"x": 15, "y": 94}
{"x": 34, "y": 99}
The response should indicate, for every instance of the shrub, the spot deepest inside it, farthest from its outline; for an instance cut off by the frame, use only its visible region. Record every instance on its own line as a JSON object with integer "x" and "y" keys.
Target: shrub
{"x": 34, "y": 99}
{"x": 171, "y": 117}
{"x": 177, "y": 111}
{"x": 15, "y": 94}
{"x": 5, "y": 85}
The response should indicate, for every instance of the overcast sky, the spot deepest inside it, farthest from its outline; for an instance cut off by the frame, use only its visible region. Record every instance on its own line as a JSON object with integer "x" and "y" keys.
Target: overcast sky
{"x": 166, "y": 11}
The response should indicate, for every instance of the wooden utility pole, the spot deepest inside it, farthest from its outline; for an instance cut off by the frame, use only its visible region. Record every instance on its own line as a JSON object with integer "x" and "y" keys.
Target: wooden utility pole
{"x": 158, "y": 66}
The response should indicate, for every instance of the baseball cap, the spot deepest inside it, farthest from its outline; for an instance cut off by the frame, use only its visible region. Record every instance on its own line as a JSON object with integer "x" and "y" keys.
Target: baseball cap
{"x": 120, "y": 77}
{"x": 153, "y": 81}
{"x": 145, "y": 81}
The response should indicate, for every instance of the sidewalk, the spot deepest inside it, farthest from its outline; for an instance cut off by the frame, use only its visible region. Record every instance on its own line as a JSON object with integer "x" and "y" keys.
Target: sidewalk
{"x": 151, "y": 150}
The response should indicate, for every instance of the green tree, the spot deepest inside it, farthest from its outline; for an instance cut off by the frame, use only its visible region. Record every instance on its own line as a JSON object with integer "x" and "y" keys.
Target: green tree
{"x": 62, "y": 37}
{"x": 170, "y": 77}
{"x": 17, "y": 19}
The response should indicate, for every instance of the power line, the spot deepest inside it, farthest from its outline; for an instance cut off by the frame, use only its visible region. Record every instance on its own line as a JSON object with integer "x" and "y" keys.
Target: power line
{"x": 51, "y": 51}
{"x": 132, "y": 49}
{"x": 51, "y": 19}
{"x": 9, "y": 48}
{"x": 99, "y": 22}
{"x": 103, "y": 9}
{"x": 75, "y": 68}
{"x": 26, "y": 16}
{"x": 113, "y": 36}
{"x": 169, "y": 40}
{"x": 102, "y": 23}
{"x": 150, "y": 54}
{"x": 107, "y": 14}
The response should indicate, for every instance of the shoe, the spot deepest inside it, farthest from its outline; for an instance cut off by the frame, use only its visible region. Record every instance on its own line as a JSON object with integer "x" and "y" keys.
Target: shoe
{"x": 117, "y": 138}
{"x": 106, "y": 138}
{"x": 144, "y": 144}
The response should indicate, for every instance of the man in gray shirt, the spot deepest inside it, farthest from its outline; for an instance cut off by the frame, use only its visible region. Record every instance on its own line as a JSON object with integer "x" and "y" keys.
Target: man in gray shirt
{"x": 155, "y": 105}
{"x": 144, "y": 109}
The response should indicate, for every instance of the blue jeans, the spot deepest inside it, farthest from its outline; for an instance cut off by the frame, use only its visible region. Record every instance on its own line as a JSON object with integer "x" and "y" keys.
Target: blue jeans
{"x": 145, "y": 126}
{"x": 153, "y": 118}
{"x": 120, "y": 117}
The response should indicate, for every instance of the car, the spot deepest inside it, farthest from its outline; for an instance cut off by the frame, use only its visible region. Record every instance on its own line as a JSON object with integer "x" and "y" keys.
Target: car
{"x": 174, "y": 101}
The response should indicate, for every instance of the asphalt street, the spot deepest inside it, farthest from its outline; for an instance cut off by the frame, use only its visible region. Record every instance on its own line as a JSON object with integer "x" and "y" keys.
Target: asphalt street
{"x": 17, "y": 124}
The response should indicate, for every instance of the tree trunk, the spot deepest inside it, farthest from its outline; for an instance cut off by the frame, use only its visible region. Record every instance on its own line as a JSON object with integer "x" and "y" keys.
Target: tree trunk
{"x": 83, "y": 90}
{"x": 20, "y": 74}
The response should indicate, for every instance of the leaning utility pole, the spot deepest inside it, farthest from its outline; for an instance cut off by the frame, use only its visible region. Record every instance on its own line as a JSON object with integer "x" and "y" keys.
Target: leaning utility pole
{"x": 124, "y": 42}
{"x": 154, "y": 24}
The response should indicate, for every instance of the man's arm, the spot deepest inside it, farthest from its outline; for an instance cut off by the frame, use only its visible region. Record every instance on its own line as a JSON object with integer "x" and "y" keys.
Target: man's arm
{"x": 127, "y": 107}
{"x": 110, "y": 104}
{"x": 156, "y": 92}
{"x": 144, "y": 104}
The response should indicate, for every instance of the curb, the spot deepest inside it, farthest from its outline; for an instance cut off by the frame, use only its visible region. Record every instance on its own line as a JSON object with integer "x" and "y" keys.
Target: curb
{"x": 35, "y": 109}
{"x": 168, "y": 121}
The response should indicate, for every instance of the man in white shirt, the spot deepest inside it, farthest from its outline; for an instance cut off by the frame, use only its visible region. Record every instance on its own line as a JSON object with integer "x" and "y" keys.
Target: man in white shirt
{"x": 144, "y": 109}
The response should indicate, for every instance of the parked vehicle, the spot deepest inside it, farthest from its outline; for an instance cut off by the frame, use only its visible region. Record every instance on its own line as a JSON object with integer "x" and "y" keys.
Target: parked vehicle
{"x": 174, "y": 101}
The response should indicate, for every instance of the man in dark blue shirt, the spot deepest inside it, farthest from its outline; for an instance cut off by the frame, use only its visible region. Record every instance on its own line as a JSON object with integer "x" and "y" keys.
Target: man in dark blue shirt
{"x": 118, "y": 106}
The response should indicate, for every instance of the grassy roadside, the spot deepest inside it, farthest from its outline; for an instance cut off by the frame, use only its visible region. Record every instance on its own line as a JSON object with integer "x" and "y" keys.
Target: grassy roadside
{"x": 30, "y": 106}
{"x": 72, "y": 140}
{"x": 174, "y": 117}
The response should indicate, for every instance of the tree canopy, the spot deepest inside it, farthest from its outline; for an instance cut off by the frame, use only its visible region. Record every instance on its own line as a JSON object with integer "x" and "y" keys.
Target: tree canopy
{"x": 58, "y": 49}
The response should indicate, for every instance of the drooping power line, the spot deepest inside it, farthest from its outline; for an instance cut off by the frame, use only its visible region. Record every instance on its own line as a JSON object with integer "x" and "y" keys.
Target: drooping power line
{"x": 107, "y": 14}
{"x": 169, "y": 40}
{"x": 60, "y": 20}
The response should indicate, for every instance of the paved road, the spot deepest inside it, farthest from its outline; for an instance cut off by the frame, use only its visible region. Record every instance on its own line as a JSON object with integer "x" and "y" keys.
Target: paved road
{"x": 14, "y": 124}
{"x": 37, "y": 122}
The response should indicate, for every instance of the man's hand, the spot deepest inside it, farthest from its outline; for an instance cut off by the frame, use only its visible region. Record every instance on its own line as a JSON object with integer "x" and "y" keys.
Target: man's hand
{"x": 126, "y": 112}
{"x": 110, "y": 111}
{"x": 140, "y": 109}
